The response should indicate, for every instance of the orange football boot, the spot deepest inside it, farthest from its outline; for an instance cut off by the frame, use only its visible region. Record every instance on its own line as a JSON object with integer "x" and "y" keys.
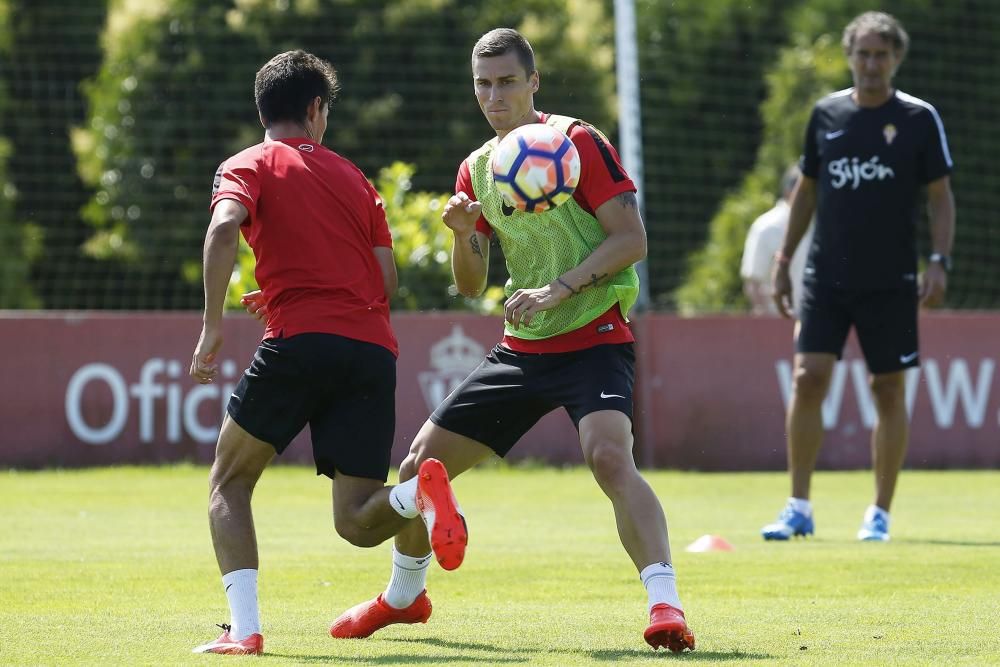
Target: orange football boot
{"x": 668, "y": 628}
{"x": 362, "y": 620}
{"x": 438, "y": 508}
{"x": 226, "y": 645}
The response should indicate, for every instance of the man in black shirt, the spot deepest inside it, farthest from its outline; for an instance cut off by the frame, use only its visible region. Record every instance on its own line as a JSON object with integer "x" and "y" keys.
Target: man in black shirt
{"x": 869, "y": 152}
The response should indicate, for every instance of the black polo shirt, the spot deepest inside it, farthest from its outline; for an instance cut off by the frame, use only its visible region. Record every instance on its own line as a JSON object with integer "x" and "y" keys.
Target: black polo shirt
{"x": 871, "y": 165}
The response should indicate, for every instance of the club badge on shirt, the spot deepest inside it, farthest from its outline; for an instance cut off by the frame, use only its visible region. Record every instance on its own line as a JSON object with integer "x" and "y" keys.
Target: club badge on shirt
{"x": 889, "y": 132}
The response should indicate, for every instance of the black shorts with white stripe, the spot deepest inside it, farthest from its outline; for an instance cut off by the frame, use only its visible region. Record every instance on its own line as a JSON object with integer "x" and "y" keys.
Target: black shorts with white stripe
{"x": 510, "y": 391}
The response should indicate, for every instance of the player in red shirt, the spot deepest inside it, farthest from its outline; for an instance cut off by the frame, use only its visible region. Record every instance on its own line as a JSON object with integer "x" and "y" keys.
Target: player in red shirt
{"x": 328, "y": 357}
{"x": 585, "y": 250}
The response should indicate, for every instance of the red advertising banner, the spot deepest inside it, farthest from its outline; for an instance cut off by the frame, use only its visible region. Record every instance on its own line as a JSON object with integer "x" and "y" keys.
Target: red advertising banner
{"x": 713, "y": 395}
{"x": 80, "y": 389}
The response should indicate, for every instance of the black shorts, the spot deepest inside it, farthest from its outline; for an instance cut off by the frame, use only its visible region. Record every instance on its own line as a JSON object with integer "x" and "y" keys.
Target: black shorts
{"x": 510, "y": 391}
{"x": 885, "y": 321}
{"x": 344, "y": 389}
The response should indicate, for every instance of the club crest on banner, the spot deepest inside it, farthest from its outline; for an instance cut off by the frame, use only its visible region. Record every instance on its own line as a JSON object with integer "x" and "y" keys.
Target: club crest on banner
{"x": 452, "y": 358}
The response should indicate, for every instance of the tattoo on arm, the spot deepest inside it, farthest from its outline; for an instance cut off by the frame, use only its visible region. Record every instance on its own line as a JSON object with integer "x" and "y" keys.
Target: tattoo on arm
{"x": 594, "y": 280}
{"x": 474, "y": 242}
{"x": 628, "y": 200}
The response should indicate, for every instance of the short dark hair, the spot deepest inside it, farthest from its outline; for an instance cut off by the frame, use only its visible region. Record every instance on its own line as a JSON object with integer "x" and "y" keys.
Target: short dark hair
{"x": 884, "y": 25}
{"x": 499, "y": 41}
{"x": 788, "y": 180}
{"x": 289, "y": 82}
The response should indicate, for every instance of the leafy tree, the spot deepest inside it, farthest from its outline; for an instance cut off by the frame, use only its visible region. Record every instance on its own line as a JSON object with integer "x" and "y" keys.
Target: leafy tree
{"x": 53, "y": 47}
{"x": 151, "y": 144}
{"x": 701, "y": 66}
{"x": 952, "y": 65}
{"x": 804, "y": 72}
{"x": 814, "y": 65}
{"x": 173, "y": 98}
{"x": 19, "y": 242}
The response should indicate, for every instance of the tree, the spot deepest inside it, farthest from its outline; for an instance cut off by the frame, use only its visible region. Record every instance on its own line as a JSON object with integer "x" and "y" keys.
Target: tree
{"x": 174, "y": 97}
{"x": 19, "y": 242}
{"x": 942, "y": 68}
{"x": 53, "y": 47}
{"x": 804, "y": 72}
{"x": 702, "y": 66}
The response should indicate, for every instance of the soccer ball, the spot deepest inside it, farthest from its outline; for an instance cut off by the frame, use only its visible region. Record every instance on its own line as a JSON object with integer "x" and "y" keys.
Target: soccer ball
{"x": 536, "y": 168}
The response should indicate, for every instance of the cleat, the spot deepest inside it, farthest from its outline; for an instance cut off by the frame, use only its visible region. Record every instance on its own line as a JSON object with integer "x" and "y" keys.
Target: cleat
{"x": 226, "y": 645}
{"x": 438, "y": 508}
{"x": 875, "y": 526}
{"x": 790, "y": 523}
{"x": 668, "y": 628}
{"x": 362, "y": 620}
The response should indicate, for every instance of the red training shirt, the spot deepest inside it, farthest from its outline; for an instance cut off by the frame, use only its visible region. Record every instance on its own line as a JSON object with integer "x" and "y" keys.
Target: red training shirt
{"x": 314, "y": 220}
{"x": 601, "y": 178}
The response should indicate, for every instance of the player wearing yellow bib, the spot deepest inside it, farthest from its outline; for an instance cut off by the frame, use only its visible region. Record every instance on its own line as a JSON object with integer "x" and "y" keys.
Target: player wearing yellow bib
{"x": 566, "y": 343}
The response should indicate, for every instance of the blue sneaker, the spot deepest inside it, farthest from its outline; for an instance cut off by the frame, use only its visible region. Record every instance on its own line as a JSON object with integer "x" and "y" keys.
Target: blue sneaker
{"x": 790, "y": 523}
{"x": 875, "y": 526}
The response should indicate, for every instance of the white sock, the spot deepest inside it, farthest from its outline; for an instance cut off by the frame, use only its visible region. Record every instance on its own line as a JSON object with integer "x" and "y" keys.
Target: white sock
{"x": 241, "y": 590}
{"x": 409, "y": 578}
{"x": 801, "y": 505}
{"x": 403, "y": 498}
{"x": 661, "y": 585}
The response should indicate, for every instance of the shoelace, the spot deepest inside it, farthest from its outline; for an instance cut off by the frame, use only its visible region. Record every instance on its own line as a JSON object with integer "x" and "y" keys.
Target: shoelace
{"x": 788, "y": 514}
{"x": 224, "y": 626}
{"x": 879, "y": 523}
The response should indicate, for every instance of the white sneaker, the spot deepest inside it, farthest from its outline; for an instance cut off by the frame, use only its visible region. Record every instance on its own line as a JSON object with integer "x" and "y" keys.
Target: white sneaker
{"x": 790, "y": 523}
{"x": 875, "y": 526}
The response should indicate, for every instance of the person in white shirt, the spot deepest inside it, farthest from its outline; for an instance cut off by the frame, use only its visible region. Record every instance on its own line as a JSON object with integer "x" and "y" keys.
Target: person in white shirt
{"x": 763, "y": 243}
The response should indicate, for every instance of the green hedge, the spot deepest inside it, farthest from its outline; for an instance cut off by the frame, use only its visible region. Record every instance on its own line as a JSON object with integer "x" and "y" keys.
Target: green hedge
{"x": 20, "y": 243}
{"x": 804, "y": 72}
{"x": 174, "y": 97}
{"x": 725, "y": 87}
{"x": 815, "y": 65}
{"x": 702, "y": 65}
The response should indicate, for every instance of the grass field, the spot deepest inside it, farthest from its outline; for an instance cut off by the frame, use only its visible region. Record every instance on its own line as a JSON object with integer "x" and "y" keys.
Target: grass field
{"x": 115, "y": 566}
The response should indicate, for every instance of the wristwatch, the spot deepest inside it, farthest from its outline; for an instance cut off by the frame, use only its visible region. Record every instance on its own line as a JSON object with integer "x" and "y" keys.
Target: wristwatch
{"x": 943, "y": 260}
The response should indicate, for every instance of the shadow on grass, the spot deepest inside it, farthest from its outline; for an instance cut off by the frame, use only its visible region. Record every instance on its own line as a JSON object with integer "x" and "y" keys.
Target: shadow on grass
{"x": 400, "y": 659}
{"x": 952, "y": 543}
{"x": 444, "y": 643}
{"x": 635, "y": 655}
{"x": 511, "y": 657}
{"x": 410, "y": 659}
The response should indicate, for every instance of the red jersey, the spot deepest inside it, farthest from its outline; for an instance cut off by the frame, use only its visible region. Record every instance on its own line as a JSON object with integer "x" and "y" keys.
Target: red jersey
{"x": 314, "y": 220}
{"x": 601, "y": 178}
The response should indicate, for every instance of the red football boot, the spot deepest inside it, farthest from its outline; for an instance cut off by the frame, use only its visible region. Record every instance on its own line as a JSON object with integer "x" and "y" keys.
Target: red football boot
{"x": 362, "y": 620}
{"x": 668, "y": 628}
{"x": 226, "y": 645}
{"x": 439, "y": 510}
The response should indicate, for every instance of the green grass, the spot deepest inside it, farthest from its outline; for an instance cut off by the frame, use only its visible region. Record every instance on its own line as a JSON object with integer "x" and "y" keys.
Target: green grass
{"x": 115, "y": 566}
